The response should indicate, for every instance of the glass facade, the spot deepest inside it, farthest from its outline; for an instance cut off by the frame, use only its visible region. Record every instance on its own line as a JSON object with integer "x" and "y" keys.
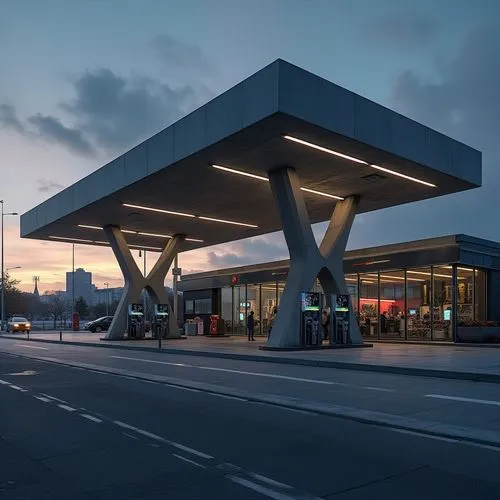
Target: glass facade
{"x": 415, "y": 304}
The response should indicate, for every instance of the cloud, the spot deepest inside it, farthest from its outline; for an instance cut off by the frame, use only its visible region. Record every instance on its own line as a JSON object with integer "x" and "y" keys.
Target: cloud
{"x": 114, "y": 112}
{"x": 404, "y": 30}
{"x": 47, "y": 186}
{"x": 463, "y": 104}
{"x": 9, "y": 119}
{"x": 180, "y": 55}
{"x": 117, "y": 112}
{"x": 52, "y": 130}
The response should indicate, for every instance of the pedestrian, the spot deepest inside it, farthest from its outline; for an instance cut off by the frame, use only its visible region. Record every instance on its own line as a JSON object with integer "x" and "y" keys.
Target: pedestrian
{"x": 250, "y": 325}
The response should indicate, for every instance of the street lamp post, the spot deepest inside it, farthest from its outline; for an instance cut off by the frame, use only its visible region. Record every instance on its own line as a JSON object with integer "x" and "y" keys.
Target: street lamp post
{"x": 107, "y": 298}
{"x": 2, "y": 214}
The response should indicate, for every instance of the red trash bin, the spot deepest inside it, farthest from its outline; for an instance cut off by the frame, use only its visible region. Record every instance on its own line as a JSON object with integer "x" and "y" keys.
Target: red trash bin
{"x": 214, "y": 325}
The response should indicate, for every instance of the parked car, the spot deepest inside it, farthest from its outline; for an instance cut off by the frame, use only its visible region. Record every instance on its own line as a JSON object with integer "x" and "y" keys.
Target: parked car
{"x": 99, "y": 324}
{"x": 18, "y": 324}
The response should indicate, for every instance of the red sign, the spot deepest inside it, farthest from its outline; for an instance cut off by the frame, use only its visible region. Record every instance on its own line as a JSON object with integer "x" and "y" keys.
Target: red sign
{"x": 234, "y": 279}
{"x": 76, "y": 322}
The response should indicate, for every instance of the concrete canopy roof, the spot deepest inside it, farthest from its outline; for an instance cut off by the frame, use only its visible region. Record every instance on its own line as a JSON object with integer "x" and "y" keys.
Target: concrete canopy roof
{"x": 245, "y": 129}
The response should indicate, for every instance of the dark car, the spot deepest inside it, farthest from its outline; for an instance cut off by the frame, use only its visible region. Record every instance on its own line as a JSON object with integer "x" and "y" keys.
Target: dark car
{"x": 100, "y": 324}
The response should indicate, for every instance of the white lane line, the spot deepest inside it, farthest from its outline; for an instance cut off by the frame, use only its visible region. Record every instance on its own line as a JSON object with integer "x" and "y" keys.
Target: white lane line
{"x": 428, "y": 436}
{"x": 188, "y": 460}
{"x": 17, "y": 388}
{"x": 464, "y": 400}
{"x": 269, "y": 481}
{"x": 278, "y": 407}
{"x": 45, "y": 400}
{"x": 380, "y": 389}
{"x": 240, "y": 372}
{"x": 91, "y": 418}
{"x": 66, "y": 407}
{"x": 32, "y": 347}
{"x": 180, "y": 387}
{"x": 162, "y": 440}
{"x": 225, "y": 396}
{"x": 4, "y": 382}
{"x": 263, "y": 490}
{"x": 130, "y": 436}
{"x": 53, "y": 398}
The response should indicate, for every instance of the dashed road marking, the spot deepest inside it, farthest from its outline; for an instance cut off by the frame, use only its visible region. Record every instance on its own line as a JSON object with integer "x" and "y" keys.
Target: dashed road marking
{"x": 189, "y": 461}
{"x": 66, "y": 407}
{"x": 32, "y": 347}
{"x": 4, "y": 382}
{"x": 91, "y": 418}
{"x": 464, "y": 400}
{"x": 226, "y": 396}
{"x": 17, "y": 388}
{"x": 162, "y": 440}
{"x": 45, "y": 400}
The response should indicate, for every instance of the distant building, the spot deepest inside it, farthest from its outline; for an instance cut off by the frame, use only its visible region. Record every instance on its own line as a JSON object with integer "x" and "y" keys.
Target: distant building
{"x": 106, "y": 295}
{"x": 83, "y": 285}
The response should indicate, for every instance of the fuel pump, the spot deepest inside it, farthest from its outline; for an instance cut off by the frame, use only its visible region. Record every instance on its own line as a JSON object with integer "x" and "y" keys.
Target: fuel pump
{"x": 310, "y": 318}
{"x": 135, "y": 322}
{"x": 340, "y": 319}
{"x": 160, "y": 321}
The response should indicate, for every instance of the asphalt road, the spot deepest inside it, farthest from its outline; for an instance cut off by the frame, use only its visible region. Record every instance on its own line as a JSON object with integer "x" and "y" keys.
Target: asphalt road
{"x": 73, "y": 433}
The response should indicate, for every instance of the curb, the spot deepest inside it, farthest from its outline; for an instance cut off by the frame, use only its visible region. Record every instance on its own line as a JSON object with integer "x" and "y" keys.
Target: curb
{"x": 340, "y": 365}
{"x": 465, "y": 435}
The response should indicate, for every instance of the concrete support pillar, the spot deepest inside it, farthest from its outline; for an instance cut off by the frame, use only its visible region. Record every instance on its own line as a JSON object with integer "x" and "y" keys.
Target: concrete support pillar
{"x": 135, "y": 282}
{"x": 307, "y": 261}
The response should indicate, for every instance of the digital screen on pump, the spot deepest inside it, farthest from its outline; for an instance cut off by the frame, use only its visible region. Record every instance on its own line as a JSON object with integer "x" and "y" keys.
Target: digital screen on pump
{"x": 342, "y": 303}
{"x": 161, "y": 309}
{"x": 136, "y": 309}
{"x": 310, "y": 301}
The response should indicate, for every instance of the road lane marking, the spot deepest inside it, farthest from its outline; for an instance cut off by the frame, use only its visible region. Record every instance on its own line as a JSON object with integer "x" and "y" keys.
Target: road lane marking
{"x": 162, "y": 440}
{"x": 268, "y": 492}
{"x": 4, "y": 382}
{"x": 269, "y": 481}
{"x": 279, "y": 407}
{"x": 188, "y": 460}
{"x": 428, "y": 436}
{"x": 32, "y": 347}
{"x": 240, "y": 372}
{"x": 66, "y": 407}
{"x": 45, "y": 400}
{"x": 131, "y": 436}
{"x": 53, "y": 398}
{"x": 380, "y": 389}
{"x": 182, "y": 388}
{"x": 464, "y": 400}
{"x": 17, "y": 388}
{"x": 225, "y": 396}
{"x": 91, "y": 418}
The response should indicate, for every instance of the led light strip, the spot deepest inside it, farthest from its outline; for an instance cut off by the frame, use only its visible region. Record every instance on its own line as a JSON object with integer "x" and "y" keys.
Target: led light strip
{"x": 357, "y": 160}
{"x": 80, "y": 240}
{"x": 262, "y": 178}
{"x": 223, "y": 221}
{"x": 128, "y": 231}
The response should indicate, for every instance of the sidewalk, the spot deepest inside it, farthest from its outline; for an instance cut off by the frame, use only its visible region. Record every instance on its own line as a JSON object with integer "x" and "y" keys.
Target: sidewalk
{"x": 452, "y": 361}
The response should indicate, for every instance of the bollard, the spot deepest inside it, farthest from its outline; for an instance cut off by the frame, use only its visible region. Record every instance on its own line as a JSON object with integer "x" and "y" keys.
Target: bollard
{"x": 28, "y": 334}
{"x": 60, "y": 335}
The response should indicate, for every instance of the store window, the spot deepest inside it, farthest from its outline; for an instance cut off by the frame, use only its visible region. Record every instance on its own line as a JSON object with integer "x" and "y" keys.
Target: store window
{"x": 392, "y": 304}
{"x": 240, "y": 310}
{"x": 203, "y": 306}
{"x": 368, "y": 305}
{"x": 443, "y": 303}
{"x": 189, "y": 307}
{"x": 269, "y": 304}
{"x": 418, "y": 313}
{"x": 227, "y": 309}
{"x": 480, "y": 295}
{"x": 253, "y": 304}
{"x": 465, "y": 294}
{"x": 352, "y": 287}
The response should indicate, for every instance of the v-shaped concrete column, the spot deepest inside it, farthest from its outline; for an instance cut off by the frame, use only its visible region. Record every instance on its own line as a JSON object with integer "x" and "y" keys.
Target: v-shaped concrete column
{"x": 307, "y": 261}
{"x": 135, "y": 282}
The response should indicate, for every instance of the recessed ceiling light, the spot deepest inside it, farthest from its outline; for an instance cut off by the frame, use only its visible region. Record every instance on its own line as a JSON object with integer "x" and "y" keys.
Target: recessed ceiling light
{"x": 160, "y": 210}
{"x": 356, "y": 160}
{"x": 76, "y": 240}
{"x": 262, "y": 178}
{"x": 85, "y": 226}
{"x": 223, "y": 221}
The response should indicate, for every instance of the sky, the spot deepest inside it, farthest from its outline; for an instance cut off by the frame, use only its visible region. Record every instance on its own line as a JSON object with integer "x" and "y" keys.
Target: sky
{"x": 82, "y": 81}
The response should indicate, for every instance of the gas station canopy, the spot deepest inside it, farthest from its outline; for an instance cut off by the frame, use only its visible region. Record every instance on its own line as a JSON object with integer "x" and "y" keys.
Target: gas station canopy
{"x": 206, "y": 176}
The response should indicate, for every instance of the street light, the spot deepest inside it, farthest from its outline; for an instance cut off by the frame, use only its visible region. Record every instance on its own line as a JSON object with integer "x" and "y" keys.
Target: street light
{"x": 107, "y": 298}
{"x": 2, "y": 214}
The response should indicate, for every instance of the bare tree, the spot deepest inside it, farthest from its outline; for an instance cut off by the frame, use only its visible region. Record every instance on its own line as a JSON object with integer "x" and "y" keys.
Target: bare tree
{"x": 56, "y": 308}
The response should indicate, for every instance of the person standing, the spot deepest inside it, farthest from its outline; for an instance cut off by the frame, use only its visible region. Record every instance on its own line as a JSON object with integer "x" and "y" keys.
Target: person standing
{"x": 250, "y": 325}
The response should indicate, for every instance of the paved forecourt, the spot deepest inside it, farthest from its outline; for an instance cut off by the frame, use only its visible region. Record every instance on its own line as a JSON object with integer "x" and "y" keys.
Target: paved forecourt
{"x": 279, "y": 151}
